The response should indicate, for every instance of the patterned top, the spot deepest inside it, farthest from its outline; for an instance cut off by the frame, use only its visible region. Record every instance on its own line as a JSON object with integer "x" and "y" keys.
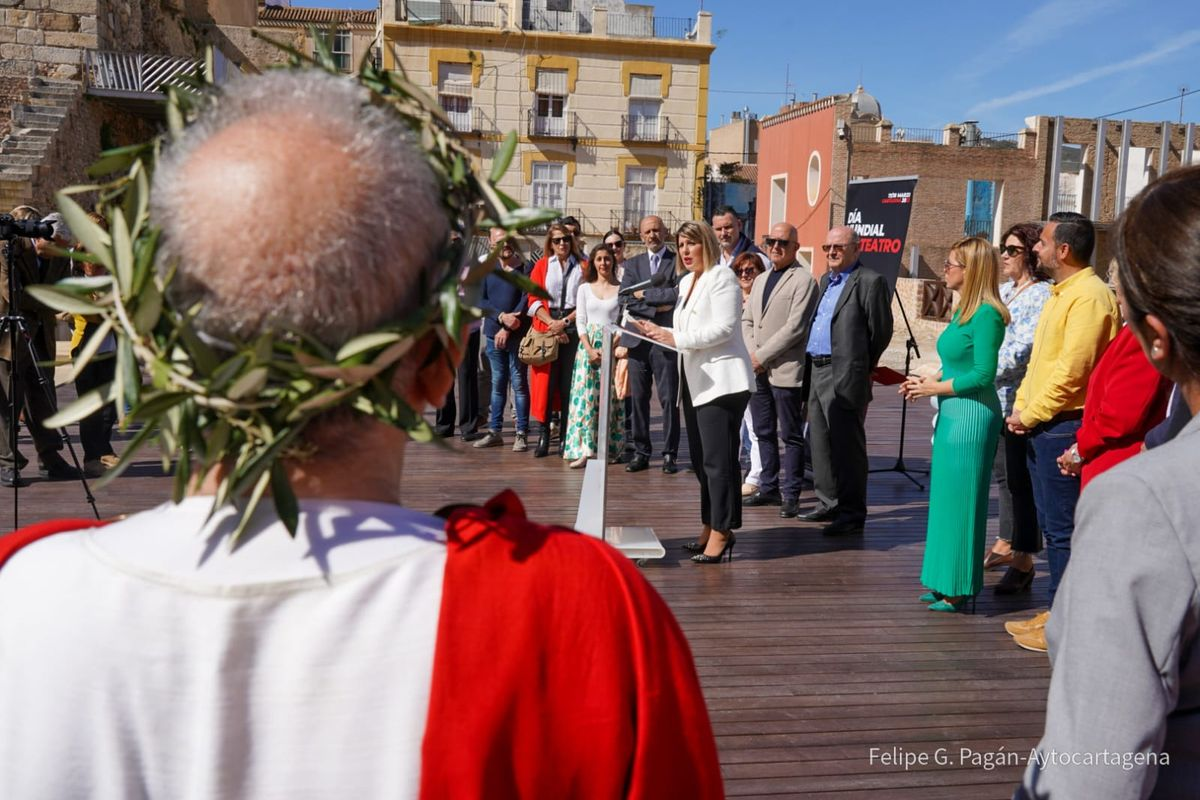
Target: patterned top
{"x": 1026, "y": 309}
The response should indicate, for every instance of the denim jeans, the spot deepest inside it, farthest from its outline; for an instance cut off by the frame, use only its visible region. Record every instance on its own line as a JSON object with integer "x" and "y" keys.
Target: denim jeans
{"x": 1054, "y": 494}
{"x": 506, "y": 368}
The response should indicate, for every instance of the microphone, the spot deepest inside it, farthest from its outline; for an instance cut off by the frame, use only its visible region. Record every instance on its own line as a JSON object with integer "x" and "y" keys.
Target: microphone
{"x": 657, "y": 279}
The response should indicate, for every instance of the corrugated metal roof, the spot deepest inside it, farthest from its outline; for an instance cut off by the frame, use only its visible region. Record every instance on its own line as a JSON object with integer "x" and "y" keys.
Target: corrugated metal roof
{"x": 284, "y": 15}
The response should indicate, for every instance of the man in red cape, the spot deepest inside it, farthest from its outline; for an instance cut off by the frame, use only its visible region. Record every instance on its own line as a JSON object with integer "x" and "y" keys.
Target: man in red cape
{"x": 380, "y": 652}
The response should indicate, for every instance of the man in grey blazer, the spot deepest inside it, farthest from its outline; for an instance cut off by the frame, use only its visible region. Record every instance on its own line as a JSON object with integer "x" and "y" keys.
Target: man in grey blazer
{"x": 650, "y": 364}
{"x": 775, "y": 323}
{"x": 850, "y": 331}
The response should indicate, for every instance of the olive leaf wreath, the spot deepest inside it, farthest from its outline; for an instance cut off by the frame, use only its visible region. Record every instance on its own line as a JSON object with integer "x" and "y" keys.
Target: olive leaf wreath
{"x": 245, "y": 407}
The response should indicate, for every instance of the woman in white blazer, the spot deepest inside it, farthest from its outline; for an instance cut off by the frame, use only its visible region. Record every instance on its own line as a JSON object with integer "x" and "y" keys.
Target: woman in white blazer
{"x": 715, "y": 381}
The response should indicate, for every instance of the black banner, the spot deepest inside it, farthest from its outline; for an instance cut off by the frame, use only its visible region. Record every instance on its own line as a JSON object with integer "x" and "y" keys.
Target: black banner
{"x": 879, "y": 209}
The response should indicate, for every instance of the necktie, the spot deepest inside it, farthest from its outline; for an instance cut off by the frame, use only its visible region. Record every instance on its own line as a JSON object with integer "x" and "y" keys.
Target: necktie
{"x": 653, "y": 263}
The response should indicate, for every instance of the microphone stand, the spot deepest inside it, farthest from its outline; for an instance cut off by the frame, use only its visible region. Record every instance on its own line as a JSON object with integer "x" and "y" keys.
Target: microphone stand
{"x": 910, "y": 347}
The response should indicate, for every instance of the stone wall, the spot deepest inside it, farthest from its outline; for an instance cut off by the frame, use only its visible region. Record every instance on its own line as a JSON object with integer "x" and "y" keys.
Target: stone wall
{"x": 46, "y": 37}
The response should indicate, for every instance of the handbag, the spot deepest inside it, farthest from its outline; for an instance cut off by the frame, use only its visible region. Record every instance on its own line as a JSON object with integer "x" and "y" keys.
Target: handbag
{"x": 541, "y": 347}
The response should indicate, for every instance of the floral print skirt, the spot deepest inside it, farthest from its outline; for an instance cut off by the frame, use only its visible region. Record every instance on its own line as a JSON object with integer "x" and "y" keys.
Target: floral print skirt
{"x": 583, "y": 419}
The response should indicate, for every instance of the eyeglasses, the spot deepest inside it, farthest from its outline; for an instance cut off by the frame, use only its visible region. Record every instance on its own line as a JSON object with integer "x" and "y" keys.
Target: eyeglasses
{"x": 952, "y": 265}
{"x": 770, "y": 242}
{"x": 833, "y": 248}
{"x": 561, "y": 239}
{"x": 746, "y": 272}
{"x": 1011, "y": 250}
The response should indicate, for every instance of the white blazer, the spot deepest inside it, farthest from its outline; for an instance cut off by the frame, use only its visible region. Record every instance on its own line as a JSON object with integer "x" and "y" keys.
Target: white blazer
{"x": 708, "y": 334}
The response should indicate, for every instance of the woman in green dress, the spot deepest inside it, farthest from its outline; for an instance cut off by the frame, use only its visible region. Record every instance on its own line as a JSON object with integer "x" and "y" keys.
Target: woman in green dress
{"x": 968, "y": 426}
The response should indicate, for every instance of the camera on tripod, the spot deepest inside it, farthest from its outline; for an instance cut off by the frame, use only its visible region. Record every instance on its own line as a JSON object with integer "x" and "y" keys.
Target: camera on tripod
{"x": 11, "y": 228}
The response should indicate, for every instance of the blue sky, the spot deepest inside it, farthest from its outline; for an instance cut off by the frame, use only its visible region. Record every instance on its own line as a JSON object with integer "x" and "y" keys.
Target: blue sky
{"x": 930, "y": 62}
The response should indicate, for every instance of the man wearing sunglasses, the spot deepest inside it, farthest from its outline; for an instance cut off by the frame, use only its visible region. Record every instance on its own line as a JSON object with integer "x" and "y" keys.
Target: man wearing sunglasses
{"x": 850, "y": 331}
{"x": 775, "y": 322}
{"x": 727, "y": 225}
{"x": 651, "y": 364}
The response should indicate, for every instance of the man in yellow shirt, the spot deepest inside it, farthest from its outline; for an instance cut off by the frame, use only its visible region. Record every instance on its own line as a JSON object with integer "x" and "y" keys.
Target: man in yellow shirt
{"x": 1077, "y": 323}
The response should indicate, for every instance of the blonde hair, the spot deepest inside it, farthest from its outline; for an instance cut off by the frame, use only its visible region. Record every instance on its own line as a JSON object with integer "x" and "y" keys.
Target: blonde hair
{"x": 981, "y": 283}
{"x": 701, "y": 233}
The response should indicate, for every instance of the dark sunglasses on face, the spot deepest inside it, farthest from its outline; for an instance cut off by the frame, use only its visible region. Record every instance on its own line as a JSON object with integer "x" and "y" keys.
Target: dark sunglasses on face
{"x": 616, "y": 245}
{"x": 833, "y": 248}
{"x": 561, "y": 239}
{"x": 746, "y": 272}
{"x": 1011, "y": 250}
{"x": 769, "y": 242}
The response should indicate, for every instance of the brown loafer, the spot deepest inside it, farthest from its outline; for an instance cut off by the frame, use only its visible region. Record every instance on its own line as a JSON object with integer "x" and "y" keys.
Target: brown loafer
{"x": 996, "y": 560}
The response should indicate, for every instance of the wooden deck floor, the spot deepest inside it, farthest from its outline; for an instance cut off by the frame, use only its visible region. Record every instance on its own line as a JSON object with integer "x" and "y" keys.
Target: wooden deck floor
{"x": 812, "y": 651}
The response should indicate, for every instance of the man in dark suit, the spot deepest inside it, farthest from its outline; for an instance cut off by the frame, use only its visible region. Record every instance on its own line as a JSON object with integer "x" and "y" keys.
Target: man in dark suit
{"x": 849, "y": 333}
{"x": 39, "y": 261}
{"x": 651, "y": 364}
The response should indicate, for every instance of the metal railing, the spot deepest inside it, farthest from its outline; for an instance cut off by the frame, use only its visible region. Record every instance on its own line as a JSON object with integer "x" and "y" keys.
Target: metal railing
{"x": 443, "y": 12}
{"x": 563, "y": 127}
{"x": 864, "y": 132}
{"x": 557, "y": 21}
{"x": 645, "y": 26}
{"x": 627, "y": 220}
{"x": 638, "y": 128}
{"x": 467, "y": 121}
{"x": 979, "y": 226}
{"x": 924, "y": 135}
{"x": 986, "y": 139}
{"x": 563, "y": 212}
{"x": 135, "y": 73}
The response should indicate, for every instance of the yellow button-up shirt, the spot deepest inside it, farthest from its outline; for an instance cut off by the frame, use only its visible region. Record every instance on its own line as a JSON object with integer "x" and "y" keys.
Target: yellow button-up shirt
{"x": 1077, "y": 323}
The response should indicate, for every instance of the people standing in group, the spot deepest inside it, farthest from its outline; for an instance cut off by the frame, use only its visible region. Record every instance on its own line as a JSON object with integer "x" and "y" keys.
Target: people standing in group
{"x": 715, "y": 383}
{"x": 1124, "y": 641}
{"x": 727, "y": 225}
{"x": 616, "y": 245}
{"x": 504, "y": 322}
{"x": 595, "y": 307}
{"x": 651, "y": 365}
{"x": 969, "y": 420}
{"x": 775, "y": 322}
{"x": 746, "y": 267}
{"x": 36, "y": 261}
{"x": 558, "y": 272}
{"x": 1077, "y": 324}
{"x": 1024, "y": 293}
{"x": 849, "y": 332}
{"x": 1126, "y": 398}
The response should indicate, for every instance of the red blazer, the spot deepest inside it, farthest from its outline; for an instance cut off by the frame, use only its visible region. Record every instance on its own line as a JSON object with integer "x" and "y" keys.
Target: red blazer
{"x": 558, "y": 670}
{"x": 1126, "y": 397}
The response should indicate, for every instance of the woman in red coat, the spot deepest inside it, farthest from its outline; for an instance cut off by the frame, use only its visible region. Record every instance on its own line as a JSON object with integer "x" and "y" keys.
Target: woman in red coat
{"x": 1126, "y": 397}
{"x": 558, "y": 272}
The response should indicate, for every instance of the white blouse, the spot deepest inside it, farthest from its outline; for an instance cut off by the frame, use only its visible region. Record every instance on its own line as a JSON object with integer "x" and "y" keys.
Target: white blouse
{"x": 594, "y": 310}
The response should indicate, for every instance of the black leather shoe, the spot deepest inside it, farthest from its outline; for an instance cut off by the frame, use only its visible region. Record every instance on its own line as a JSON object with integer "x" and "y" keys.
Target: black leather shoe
{"x": 472, "y": 436}
{"x": 789, "y": 509}
{"x": 760, "y": 499}
{"x": 58, "y": 470}
{"x": 819, "y": 514}
{"x": 543, "y": 444}
{"x": 638, "y": 464}
{"x": 11, "y": 478}
{"x": 669, "y": 465}
{"x": 843, "y": 528}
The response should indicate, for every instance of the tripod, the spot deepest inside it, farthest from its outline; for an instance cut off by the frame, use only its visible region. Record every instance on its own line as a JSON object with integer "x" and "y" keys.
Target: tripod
{"x": 910, "y": 347}
{"x": 15, "y": 328}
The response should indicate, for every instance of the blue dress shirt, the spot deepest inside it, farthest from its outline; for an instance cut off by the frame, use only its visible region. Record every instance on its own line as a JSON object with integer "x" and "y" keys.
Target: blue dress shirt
{"x": 820, "y": 342}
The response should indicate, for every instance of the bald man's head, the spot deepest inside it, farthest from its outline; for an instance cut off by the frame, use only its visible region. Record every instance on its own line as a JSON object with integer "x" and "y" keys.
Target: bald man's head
{"x": 293, "y": 204}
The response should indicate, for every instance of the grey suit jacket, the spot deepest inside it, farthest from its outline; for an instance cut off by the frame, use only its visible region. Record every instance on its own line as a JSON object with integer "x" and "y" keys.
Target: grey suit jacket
{"x": 860, "y": 332}
{"x": 776, "y": 335}
{"x": 1125, "y": 634}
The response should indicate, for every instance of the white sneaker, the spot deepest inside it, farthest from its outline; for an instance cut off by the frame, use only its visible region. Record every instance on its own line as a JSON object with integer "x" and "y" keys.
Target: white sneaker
{"x": 520, "y": 445}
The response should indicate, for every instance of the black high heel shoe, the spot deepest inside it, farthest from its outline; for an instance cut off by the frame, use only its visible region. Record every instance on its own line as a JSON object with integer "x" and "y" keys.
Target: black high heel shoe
{"x": 703, "y": 558}
{"x": 543, "y": 444}
{"x": 695, "y": 546}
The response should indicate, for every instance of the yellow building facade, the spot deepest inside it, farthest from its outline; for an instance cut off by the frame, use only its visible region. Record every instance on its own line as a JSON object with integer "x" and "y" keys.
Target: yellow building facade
{"x": 610, "y": 108}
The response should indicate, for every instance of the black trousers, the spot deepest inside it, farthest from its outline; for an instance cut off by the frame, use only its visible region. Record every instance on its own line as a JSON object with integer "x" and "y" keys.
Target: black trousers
{"x": 1018, "y": 512}
{"x": 838, "y": 437}
{"x": 650, "y": 365}
{"x": 32, "y": 398}
{"x": 778, "y": 412}
{"x": 562, "y": 369}
{"x": 714, "y": 438}
{"x": 95, "y": 430}
{"x": 466, "y": 411}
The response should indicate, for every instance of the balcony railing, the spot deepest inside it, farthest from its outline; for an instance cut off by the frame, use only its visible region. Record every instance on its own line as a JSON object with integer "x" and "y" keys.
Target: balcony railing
{"x": 628, "y": 220}
{"x": 645, "y": 26}
{"x": 135, "y": 73}
{"x": 563, "y": 127}
{"x": 986, "y": 139}
{"x": 541, "y": 229}
{"x": 557, "y": 21}
{"x": 923, "y": 135}
{"x": 637, "y": 128}
{"x": 442, "y": 12}
{"x": 979, "y": 226}
{"x": 467, "y": 121}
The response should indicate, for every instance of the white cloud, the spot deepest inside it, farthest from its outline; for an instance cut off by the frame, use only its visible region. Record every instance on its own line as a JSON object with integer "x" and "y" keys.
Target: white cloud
{"x": 1157, "y": 53}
